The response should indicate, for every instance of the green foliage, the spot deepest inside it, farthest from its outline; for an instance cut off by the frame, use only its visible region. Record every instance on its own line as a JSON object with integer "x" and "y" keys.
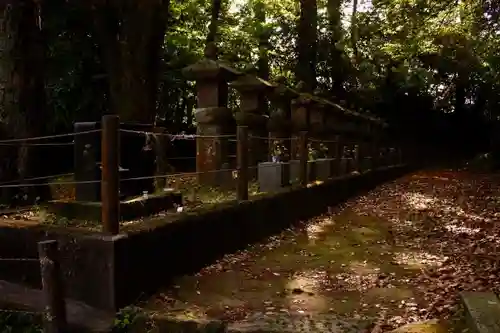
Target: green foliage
{"x": 432, "y": 56}
{"x": 18, "y": 323}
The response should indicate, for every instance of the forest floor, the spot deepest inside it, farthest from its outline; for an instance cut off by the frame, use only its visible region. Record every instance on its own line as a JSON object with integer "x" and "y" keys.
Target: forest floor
{"x": 400, "y": 253}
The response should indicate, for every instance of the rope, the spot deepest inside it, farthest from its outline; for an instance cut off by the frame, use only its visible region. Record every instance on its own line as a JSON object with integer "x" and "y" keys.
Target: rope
{"x": 48, "y": 137}
{"x": 19, "y": 259}
{"x": 39, "y": 144}
{"x": 179, "y": 136}
{"x": 39, "y": 178}
{"x": 51, "y": 183}
{"x": 19, "y": 311}
{"x": 270, "y": 138}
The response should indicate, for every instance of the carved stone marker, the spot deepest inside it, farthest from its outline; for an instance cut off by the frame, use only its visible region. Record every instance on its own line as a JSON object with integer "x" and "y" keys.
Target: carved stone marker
{"x": 86, "y": 152}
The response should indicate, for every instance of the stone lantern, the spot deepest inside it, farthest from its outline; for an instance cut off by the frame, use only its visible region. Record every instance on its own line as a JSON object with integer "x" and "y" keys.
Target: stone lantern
{"x": 214, "y": 120}
{"x": 280, "y": 121}
{"x": 252, "y": 113}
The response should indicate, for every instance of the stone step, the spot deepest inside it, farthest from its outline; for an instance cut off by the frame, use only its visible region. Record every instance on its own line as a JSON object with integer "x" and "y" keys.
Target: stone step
{"x": 482, "y": 311}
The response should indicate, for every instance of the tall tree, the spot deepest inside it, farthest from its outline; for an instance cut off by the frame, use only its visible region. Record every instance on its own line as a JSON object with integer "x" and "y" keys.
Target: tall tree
{"x": 307, "y": 44}
{"x": 211, "y": 43}
{"x": 131, "y": 35}
{"x": 23, "y": 92}
{"x": 263, "y": 38}
{"x": 336, "y": 64}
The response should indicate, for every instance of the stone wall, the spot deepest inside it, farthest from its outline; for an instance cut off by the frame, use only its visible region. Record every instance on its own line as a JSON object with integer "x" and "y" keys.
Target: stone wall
{"x": 109, "y": 272}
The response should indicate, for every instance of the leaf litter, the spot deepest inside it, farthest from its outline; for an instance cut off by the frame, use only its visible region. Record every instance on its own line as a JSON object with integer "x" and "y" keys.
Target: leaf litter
{"x": 401, "y": 253}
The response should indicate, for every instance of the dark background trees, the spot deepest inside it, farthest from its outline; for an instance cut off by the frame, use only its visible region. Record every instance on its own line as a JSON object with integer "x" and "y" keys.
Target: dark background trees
{"x": 429, "y": 67}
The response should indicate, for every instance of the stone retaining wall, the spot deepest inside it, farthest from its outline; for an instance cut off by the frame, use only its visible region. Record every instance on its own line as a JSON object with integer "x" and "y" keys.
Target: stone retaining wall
{"x": 109, "y": 272}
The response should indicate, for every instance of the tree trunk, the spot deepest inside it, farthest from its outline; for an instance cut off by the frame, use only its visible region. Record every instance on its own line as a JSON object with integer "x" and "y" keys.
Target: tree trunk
{"x": 262, "y": 36}
{"x": 307, "y": 44}
{"x": 211, "y": 43}
{"x": 336, "y": 65}
{"x": 23, "y": 94}
{"x": 132, "y": 34}
{"x": 354, "y": 31}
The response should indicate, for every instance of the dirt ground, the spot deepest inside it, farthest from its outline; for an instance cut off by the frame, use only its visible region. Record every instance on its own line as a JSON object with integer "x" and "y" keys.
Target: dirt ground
{"x": 400, "y": 253}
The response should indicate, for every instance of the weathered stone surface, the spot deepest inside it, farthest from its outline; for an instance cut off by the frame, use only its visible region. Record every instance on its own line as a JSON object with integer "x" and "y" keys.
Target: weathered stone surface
{"x": 86, "y": 155}
{"x": 343, "y": 166}
{"x": 211, "y": 153}
{"x": 285, "y": 323}
{"x": 295, "y": 170}
{"x": 482, "y": 311}
{"x": 213, "y": 115}
{"x": 269, "y": 176}
{"x": 323, "y": 168}
{"x": 224, "y": 178}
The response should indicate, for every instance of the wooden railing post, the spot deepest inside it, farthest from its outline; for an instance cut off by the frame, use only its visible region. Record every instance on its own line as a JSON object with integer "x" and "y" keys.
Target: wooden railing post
{"x": 304, "y": 156}
{"x": 110, "y": 179}
{"x": 55, "y": 308}
{"x": 242, "y": 160}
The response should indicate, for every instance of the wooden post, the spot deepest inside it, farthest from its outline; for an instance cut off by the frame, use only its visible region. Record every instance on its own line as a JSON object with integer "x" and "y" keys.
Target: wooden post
{"x": 110, "y": 180}
{"x": 304, "y": 156}
{"x": 161, "y": 157}
{"x": 53, "y": 292}
{"x": 242, "y": 159}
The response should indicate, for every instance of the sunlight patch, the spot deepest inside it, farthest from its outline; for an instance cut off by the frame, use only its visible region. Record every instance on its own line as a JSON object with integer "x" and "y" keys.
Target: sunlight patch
{"x": 363, "y": 268}
{"x": 418, "y": 259}
{"x": 356, "y": 282}
{"x": 304, "y": 287}
{"x": 419, "y": 201}
{"x": 462, "y": 230}
{"x": 315, "y": 229}
{"x": 307, "y": 280}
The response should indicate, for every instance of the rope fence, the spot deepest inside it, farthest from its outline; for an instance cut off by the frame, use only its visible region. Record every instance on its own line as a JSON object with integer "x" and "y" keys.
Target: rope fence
{"x": 174, "y": 137}
{"x": 37, "y": 138}
{"x": 295, "y": 152}
{"x": 54, "y": 310}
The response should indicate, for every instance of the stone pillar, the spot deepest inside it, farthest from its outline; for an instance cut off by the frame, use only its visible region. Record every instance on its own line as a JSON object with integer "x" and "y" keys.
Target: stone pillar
{"x": 332, "y": 137}
{"x": 280, "y": 125}
{"x": 301, "y": 118}
{"x": 213, "y": 117}
{"x": 317, "y": 123}
{"x": 252, "y": 111}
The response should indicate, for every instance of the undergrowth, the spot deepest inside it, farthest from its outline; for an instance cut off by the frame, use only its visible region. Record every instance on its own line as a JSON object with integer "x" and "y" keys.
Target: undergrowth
{"x": 19, "y": 323}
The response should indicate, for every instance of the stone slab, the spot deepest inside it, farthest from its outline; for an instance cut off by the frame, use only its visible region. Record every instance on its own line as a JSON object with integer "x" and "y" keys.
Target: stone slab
{"x": 295, "y": 171}
{"x": 323, "y": 168}
{"x": 343, "y": 166}
{"x": 269, "y": 176}
{"x": 129, "y": 209}
{"x": 482, "y": 311}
